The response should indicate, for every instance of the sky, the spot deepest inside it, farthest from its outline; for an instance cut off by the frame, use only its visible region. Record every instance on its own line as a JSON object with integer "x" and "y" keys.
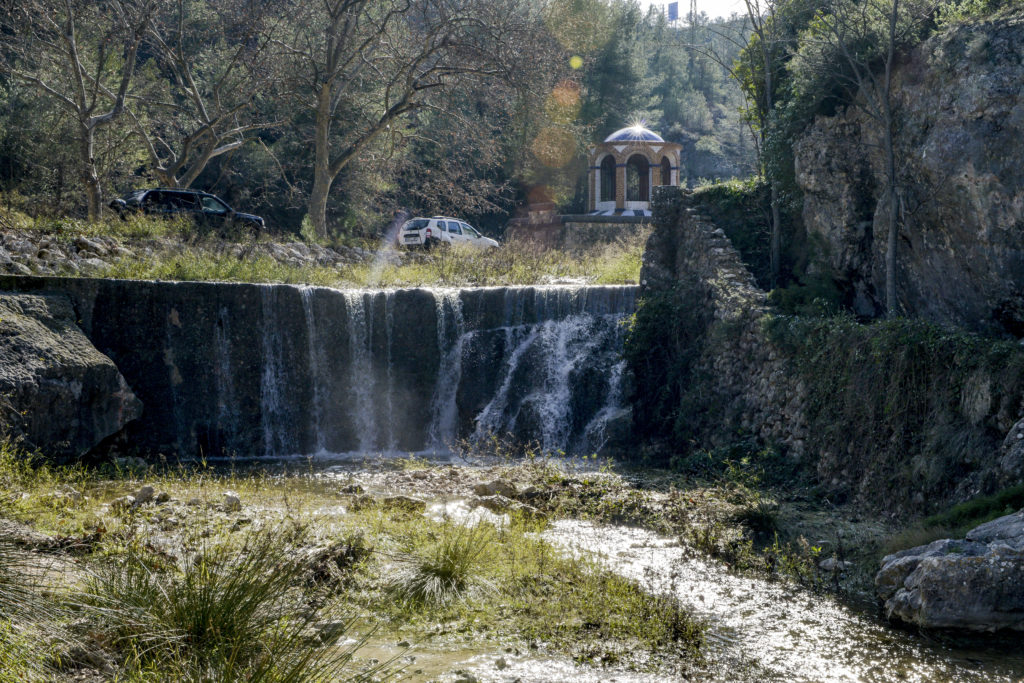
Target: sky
{"x": 714, "y": 8}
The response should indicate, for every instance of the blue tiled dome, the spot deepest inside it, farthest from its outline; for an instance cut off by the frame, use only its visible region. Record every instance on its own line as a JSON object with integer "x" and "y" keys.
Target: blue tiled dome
{"x": 634, "y": 133}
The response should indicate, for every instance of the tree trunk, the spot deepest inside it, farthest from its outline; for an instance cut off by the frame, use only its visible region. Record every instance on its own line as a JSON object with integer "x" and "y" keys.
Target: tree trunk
{"x": 891, "y": 304}
{"x": 90, "y": 177}
{"x": 776, "y": 236}
{"x": 322, "y": 178}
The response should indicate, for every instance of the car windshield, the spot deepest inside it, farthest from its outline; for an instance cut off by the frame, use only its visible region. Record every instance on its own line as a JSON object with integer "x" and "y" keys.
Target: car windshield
{"x": 214, "y": 205}
{"x": 416, "y": 224}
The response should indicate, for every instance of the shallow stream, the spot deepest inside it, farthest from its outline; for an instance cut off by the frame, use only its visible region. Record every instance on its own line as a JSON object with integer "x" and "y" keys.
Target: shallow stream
{"x": 777, "y": 632}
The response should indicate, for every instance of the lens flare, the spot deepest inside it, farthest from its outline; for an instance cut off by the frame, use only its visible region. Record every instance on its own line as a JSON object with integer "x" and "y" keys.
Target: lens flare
{"x": 563, "y": 104}
{"x": 554, "y": 147}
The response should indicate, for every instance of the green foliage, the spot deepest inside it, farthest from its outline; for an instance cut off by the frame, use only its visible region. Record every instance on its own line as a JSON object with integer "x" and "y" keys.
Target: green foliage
{"x": 812, "y": 295}
{"x": 662, "y": 346}
{"x": 967, "y": 515}
{"x": 741, "y": 209}
{"x": 587, "y": 611}
{"x": 954, "y": 12}
{"x": 909, "y": 404}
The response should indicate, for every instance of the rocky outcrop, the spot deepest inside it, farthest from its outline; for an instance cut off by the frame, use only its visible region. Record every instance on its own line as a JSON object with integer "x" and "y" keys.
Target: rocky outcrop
{"x": 59, "y": 393}
{"x": 741, "y": 382}
{"x": 975, "y": 584}
{"x": 960, "y": 119}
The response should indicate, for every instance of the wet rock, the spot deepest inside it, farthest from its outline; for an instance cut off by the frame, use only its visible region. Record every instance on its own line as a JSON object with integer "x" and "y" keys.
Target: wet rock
{"x": 976, "y": 584}
{"x": 122, "y": 504}
{"x": 497, "y": 504}
{"x": 831, "y": 564}
{"x": 498, "y": 487}
{"x": 501, "y": 505}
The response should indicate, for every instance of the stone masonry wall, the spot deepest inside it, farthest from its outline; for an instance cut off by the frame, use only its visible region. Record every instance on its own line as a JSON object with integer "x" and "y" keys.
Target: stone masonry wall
{"x": 746, "y": 381}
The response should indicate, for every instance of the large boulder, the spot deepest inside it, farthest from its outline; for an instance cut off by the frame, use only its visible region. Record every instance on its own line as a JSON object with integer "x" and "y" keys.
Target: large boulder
{"x": 976, "y": 584}
{"x": 57, "y": 391}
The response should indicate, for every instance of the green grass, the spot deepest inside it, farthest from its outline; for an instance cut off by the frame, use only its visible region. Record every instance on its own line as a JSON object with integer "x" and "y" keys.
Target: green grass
{"x": 958, "y": 520}
{"x": 443, "y": 568}
{"x": 514, "y": 263}
{"x": 229, "y": 612}
{"x": 183, "y": 252}
{"x": 264, "y": 594}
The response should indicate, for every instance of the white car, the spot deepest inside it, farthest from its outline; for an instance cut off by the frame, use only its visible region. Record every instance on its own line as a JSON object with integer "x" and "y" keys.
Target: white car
{"x": 442, "y": 231}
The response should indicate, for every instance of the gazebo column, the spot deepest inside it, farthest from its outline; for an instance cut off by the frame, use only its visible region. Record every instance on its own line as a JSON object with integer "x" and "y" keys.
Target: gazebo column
{"x": 620, "y": 186}
{"x": 594, "y": 178}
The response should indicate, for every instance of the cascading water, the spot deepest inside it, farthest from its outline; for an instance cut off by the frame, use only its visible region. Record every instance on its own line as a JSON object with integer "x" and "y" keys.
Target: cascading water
{"x": 360, "y": 337}
{"x": 271, "y": 414}
{"x": 451, "y": 338}
{"x": 253, "y": 370}
{"x": 412, "y": 370}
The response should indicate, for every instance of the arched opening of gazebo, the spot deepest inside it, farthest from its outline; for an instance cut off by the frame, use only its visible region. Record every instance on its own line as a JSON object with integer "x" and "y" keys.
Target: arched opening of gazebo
{"x": 638, "y": 183}
{"x": 607, "y": 179}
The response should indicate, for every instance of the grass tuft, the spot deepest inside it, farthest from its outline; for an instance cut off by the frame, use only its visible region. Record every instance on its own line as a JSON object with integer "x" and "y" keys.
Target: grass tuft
{"x": 229, "y": 613}
{"x": 444, "y": 568}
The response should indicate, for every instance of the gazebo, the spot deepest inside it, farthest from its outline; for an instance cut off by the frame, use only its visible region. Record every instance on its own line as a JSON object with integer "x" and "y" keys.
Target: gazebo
{"x": 626, "y": 167}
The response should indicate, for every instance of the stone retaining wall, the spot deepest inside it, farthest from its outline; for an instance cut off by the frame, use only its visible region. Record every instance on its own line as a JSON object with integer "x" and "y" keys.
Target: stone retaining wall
{"x": 745, "y": 381}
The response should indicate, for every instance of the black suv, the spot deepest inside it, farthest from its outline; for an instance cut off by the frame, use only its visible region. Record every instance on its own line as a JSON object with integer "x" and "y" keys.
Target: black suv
{"x": 206, "y": 209}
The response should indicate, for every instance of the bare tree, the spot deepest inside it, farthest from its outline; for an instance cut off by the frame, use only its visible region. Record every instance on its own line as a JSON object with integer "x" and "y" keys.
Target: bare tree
{"x": 361, "y": 67}
{"x": 761, "y": 14}
{"x": 208, "y": 113}
{"x": 757, "y": 81}
{"x": 82, "y": 54}
{"x": 856, "y": 44}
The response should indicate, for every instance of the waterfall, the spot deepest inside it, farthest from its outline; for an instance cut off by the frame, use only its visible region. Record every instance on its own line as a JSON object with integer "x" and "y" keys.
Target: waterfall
{"x": 283, "y": 370}
{"x": 451, "y": 337}
{"x": 271, "y": 405}
{"x": 315, "y": 346}
{"x": 360, "y": 332}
